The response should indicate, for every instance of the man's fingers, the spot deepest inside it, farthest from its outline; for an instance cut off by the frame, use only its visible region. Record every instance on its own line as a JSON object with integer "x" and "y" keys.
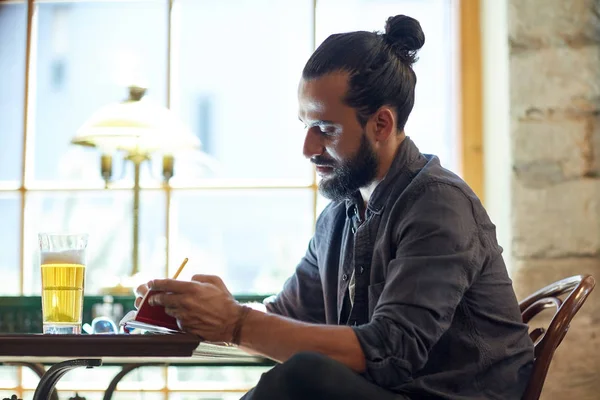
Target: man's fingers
{"x": 141, "y": 290}
{"x": 173, "y": 312}
{"x": 170, "y": 285}
{"x": 210, "y": 279}
{"x": 168, "y": 300}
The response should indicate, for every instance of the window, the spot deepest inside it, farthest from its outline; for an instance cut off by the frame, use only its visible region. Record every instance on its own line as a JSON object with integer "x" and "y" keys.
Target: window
{"x": 13, "y": 19}
{"x": 245, "y": 207}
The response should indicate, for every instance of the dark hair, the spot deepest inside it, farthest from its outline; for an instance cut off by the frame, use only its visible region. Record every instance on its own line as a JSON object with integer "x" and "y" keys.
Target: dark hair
{"x": 380, "y": 66}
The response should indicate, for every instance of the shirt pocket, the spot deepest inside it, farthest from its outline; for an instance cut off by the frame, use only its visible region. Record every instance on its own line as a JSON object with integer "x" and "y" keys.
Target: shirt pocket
{"x": 374, "y": 294}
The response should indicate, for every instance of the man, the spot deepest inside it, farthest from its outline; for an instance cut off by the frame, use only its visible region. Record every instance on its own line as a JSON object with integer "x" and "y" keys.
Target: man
{"x": 402, "y": 292}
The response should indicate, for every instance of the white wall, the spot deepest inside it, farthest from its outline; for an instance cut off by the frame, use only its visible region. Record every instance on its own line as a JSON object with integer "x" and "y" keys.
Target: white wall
{"x": 496, "y": 120}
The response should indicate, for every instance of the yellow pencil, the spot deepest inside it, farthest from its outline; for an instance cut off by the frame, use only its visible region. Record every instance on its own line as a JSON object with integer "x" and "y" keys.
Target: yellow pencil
{"x": 180, "y": 268}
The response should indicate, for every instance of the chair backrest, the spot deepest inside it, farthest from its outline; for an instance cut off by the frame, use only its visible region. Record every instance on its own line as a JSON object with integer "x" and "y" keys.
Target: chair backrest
{"x": 547, "y": 340}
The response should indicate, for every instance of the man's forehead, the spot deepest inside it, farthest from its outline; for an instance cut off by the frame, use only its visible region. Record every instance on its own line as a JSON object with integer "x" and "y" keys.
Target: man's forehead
{"x": 316, "y": 95}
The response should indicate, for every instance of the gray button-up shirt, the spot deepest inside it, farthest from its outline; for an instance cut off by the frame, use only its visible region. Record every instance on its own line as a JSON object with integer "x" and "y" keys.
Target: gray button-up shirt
{"x": 433, "y": 307}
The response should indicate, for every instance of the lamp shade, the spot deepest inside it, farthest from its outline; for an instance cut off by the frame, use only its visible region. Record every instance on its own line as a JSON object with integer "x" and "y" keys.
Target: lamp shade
{"x": 136, "y": 126}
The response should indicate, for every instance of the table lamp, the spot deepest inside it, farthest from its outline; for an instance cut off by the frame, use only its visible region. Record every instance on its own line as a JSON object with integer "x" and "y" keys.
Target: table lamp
{"x": 138, "y": 128}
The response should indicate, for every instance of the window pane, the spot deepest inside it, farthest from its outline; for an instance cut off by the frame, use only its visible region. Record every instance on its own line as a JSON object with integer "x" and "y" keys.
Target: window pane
{"x": 236, "y": 72}
{"x": 67, "y": 394}
{"x": 206, "y": 396}
{"x": 87, "y": 55}
{"x": 432, "y": 122}
{"x": 8, "y": 379}
{"x": 107, "y": 217}
{"x": 214, "y": 378}
{"x": 6, "y": 393}
{"x": 95, "y": 378}
{"x": 140, "y": 379}
{"x": 141, "y": 395}
{"x": 13, "y": 31}
{"x": 252, "y": 239}
{"x": 10, "y": 234}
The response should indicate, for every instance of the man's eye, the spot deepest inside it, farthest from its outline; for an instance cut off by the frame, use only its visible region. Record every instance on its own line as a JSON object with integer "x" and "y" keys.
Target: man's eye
{"x": 329, "y": 132}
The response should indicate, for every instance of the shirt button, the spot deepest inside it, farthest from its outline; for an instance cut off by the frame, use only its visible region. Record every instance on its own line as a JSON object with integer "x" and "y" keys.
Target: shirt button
{"x": 353, "y": 230}
{"x": 361, "y": 270}
{"x": 345, "y": 277}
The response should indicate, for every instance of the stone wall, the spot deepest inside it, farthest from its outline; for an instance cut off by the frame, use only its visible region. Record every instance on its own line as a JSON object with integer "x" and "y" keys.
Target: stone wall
{"x": 555, "y": 134}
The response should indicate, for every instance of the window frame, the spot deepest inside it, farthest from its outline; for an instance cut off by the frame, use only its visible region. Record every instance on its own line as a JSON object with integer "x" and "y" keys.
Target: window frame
{"x": 469, "y": 121}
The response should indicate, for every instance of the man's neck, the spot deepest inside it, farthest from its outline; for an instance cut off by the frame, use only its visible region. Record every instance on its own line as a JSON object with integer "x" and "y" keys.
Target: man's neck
{"x": 385, "y": 163}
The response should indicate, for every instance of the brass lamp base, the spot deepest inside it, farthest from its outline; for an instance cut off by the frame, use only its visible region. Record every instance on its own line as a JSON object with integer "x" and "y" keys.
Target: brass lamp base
{"x": 124, "y": 285}
{"x": 118, "y": 290}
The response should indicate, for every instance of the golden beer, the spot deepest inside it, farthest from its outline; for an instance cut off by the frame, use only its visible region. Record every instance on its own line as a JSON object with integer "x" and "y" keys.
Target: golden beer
{"x": 62, "y": 293}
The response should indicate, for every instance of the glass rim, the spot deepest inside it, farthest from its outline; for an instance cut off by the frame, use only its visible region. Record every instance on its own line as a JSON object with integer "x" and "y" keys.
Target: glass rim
{"x": 63, "y": 234}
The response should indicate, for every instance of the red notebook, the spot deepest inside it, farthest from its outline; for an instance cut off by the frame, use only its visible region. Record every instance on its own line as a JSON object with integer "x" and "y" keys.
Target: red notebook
{"x": 150, "y": 318}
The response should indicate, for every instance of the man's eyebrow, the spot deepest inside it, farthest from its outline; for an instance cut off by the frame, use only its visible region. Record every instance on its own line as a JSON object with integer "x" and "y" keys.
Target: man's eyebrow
{"x": 317, "y": 122}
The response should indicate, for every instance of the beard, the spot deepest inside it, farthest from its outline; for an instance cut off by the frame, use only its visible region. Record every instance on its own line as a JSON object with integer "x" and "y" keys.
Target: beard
{"x": 349, "y": 176}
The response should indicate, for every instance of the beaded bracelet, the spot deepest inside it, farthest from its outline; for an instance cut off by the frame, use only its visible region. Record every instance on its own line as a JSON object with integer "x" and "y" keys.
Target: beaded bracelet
{"x": 237, "y": 330}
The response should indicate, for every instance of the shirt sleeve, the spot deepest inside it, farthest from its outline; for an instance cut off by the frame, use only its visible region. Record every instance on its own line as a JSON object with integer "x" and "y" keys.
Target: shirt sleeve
{"x": 302, "y": 294}
{"x": 438, "y": 256}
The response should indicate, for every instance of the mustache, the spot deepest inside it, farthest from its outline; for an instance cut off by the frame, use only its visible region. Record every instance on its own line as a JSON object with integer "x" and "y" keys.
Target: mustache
{"x": 322, "y": 161}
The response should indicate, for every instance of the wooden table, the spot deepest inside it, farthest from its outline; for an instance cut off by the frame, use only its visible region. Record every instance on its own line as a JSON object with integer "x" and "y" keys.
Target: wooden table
{"x": 66, "y": 352}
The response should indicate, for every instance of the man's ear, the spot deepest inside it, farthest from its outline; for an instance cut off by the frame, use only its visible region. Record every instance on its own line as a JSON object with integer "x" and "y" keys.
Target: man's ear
{"x": 384, "y": 122}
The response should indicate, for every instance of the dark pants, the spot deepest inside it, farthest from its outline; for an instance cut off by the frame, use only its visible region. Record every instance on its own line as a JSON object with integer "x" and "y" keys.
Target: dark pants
{"x": 314, "y": 376}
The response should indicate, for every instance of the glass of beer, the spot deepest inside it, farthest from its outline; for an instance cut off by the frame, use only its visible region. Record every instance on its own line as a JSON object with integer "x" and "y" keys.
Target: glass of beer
{"x": 62, "y": 259}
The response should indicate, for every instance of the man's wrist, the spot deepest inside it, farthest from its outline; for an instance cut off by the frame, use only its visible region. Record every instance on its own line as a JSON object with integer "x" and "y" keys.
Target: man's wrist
{"x": 236, "y": 336}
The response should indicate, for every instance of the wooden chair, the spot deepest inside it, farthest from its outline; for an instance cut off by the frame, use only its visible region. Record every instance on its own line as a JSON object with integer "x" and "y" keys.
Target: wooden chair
{"x": 546, "y": 341}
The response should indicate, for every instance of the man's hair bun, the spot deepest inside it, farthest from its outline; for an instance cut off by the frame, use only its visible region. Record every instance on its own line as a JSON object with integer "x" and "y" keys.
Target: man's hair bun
{"x": 405, "y": 37}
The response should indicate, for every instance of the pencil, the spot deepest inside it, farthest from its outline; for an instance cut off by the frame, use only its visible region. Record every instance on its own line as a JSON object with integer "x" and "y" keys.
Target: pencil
{"x": 180, "y": 268}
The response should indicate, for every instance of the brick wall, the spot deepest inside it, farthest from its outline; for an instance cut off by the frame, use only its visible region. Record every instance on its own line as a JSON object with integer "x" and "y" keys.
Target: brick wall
{"x": 555, "y": 135}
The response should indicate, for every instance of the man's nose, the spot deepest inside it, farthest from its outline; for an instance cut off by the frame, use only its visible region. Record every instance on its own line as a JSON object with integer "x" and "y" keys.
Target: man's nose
{"x": 313, "y": 146}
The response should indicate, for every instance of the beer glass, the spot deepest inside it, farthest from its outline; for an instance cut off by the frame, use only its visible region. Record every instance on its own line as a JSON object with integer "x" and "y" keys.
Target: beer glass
{"x": 62, "y": 264}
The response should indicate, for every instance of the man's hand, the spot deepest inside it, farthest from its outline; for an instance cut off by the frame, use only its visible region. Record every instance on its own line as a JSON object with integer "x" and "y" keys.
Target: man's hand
{"x": 202, "y": 306}
{"x": 140, "y": 292}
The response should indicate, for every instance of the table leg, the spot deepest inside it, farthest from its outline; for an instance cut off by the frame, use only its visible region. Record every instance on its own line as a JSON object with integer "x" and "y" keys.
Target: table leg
{"x": 53, "y": 375}
{"x": 115, "y": 381}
